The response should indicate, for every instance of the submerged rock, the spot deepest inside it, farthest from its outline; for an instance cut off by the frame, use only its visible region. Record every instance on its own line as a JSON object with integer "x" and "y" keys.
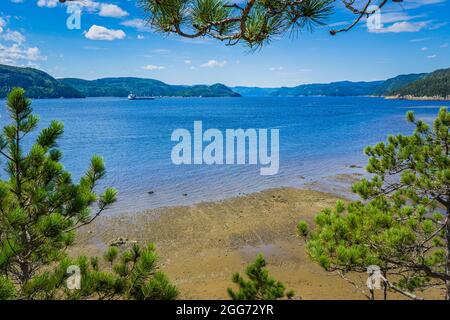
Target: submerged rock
{"x": 118, "y": 242}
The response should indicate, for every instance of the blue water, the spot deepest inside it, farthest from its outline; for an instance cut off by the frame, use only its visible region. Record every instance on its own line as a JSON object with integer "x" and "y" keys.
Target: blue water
{"x": 319, "y": 137}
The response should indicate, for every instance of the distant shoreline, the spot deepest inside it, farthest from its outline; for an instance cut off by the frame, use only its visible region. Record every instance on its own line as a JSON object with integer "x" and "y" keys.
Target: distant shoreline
{"x": 424, "y": 98}
{"x": 412, "y": 98}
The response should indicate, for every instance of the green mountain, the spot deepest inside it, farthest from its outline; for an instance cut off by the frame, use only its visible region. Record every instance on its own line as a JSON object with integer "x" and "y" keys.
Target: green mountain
{"x": 393, "y": 84}
{"x": 37, "y": 83}
{"x": 254, "y": 91}
{"x": 435, "y": 84}
{"x": 121, "y": 87}
{"x": 341, "y": 88}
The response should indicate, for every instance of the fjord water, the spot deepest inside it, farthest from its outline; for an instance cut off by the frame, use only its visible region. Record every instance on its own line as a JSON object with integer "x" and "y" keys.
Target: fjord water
{"x": 320, "y": 137}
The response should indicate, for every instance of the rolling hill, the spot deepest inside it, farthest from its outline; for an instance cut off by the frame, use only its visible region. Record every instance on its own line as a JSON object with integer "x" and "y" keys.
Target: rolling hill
{"x": 121, "y": 87}
{"x": 433, "y": 85}
{"x": 341, "y": 88}
{"x": 38, "y": 84}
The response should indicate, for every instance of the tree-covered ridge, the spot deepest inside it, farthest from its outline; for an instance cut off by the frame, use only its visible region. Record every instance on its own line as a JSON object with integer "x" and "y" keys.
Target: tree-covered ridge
{"x": 121, "y": 87}
{"x": 435, "y": 84}
{"x": 340, "y": 88}
{"x": 37, "y": 83}
{"x": 41, "y": 85}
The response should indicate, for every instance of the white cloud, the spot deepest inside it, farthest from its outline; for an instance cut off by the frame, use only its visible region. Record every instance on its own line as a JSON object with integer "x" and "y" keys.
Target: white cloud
{"x": 14, "y": 36}
{"x": 432, "y": 56}
{"x": 403, "y": 26}
{"x": 112, "y": 10}
{"x": 187, "y": 61}
{"x": 213, "y": 64}
{"x": 138, "y": 24}
{"x": 15, "y": 53}
{"x": 47, "y": 3}
{"x": 153, "y": 67}
{"x": 424, "y": 49}
{"x": 102, "y": 9}
{"x": 16, "y": 1}
{"x": 419, "y": 40}
{"x": 102, "y": 33}
{"x": 413, "y": 4}
{"x": 140, "y": 37}
{"x": 397, "y": 17}
{"x": 89, "y": 5}
{"x": 445, "y": 45}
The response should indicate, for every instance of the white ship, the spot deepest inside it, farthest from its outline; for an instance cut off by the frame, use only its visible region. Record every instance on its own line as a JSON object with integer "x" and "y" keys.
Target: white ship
{"x": 132, "y": 96}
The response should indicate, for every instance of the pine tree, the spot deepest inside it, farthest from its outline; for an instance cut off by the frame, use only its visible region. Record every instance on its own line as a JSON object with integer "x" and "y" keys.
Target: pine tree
{"x": 260, "y": 285}
{"x": 41, "y": 209}
{"x": 252, "y": 22}
{"x": 403, "y": 224}
{"x": 132, "y": 274}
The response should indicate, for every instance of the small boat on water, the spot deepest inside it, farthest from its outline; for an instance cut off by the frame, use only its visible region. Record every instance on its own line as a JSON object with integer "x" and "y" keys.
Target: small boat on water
{"x": 132, "y": 96}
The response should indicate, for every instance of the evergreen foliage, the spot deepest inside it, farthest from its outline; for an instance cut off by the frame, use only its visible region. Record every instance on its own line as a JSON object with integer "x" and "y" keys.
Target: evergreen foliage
{"x": 37, "y": 83}
{"x": 131, "y": 275}
{"x": 121, "y": 87}
{"x": 435, "y": 84}
{"x": 259, "y": 286}
{"x": 403, "y": 224}
{"x": 40, "y": 210}
{"x": 253, "y": 23}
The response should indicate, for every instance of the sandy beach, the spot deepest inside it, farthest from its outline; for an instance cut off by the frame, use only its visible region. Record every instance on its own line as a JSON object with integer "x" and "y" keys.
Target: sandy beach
{"x": 201, "y": 246}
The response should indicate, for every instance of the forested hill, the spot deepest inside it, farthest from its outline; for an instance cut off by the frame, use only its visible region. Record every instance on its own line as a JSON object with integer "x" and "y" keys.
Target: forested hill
{"x": 38, "y": 84}
{"x": 434, "y": 85}
{"x": 121, "y": 87}
{"x": 341, "y": 88}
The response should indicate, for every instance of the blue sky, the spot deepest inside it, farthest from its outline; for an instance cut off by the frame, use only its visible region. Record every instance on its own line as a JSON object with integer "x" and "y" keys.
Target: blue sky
{"x": 114, "y": 41}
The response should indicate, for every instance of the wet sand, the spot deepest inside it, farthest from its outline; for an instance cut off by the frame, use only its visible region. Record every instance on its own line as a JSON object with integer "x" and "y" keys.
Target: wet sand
{"x": 202, "y": 245}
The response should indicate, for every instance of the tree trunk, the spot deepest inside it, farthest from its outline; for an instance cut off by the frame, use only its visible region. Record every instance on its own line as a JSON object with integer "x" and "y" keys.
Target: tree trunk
{"x": 447, "y": 269}
{"x": 447, "y": 231}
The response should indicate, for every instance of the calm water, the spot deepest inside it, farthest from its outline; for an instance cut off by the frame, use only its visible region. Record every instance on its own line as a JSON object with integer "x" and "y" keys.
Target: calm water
{"x": 319, "y": 137}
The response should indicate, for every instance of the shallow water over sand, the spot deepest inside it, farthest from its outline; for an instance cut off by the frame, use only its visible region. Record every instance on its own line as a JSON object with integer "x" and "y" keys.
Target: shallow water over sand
{"x": 320, "y": 137}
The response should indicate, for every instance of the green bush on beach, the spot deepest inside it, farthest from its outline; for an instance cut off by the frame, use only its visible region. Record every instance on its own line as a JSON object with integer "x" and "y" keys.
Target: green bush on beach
{"x": 260, "y": 285}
